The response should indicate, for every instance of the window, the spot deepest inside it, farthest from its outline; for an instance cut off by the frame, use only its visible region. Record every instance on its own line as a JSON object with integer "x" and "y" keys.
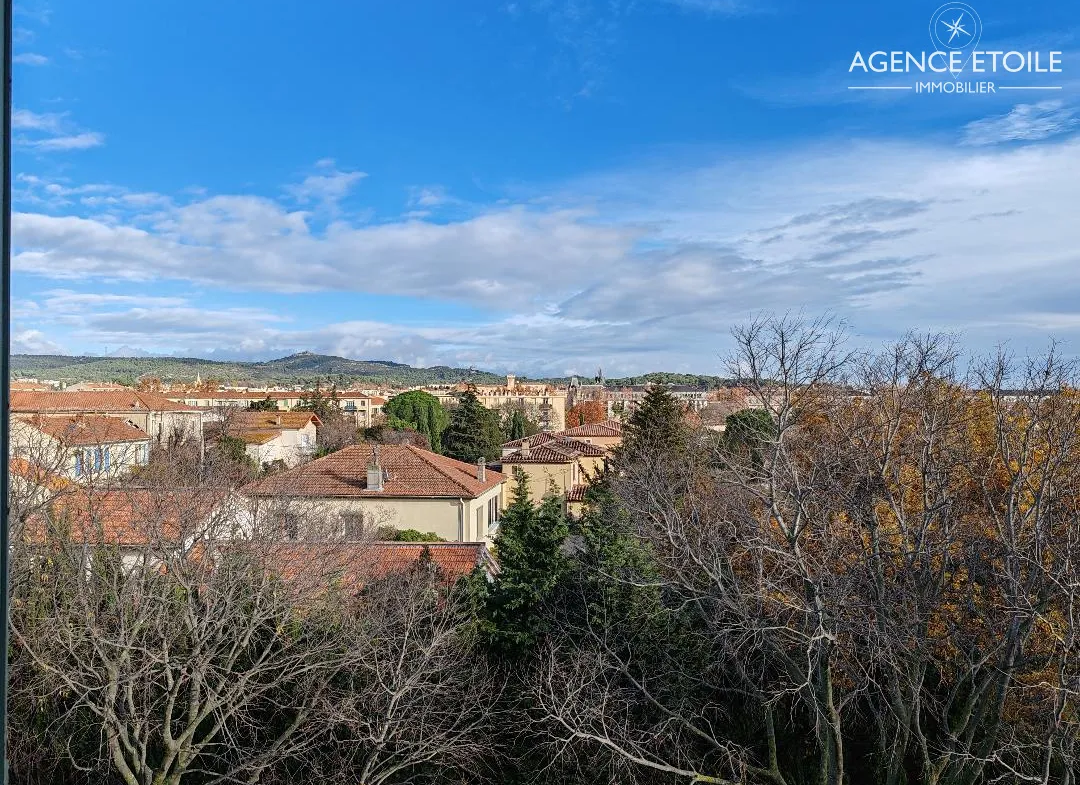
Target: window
{"x": 78, "y": 464}
{"x": 98, "y": 459}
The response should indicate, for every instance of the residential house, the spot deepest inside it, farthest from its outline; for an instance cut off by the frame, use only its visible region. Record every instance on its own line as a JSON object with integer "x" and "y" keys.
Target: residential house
{"x": 398, "y": 485}
{"x": 152, "y": 413}
{"x": 141, "y": 523}
{"x": 554, "y": 462}
{"x": 365, "y": 409}
{"x": 607, "y": 434}
{"x": 82, "y": 446}
{"x": 271, "y": 436}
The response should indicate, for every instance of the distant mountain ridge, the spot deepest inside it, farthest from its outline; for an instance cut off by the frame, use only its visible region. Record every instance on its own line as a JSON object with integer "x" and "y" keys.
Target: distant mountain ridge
{"x": 300, "y": 368}
{"x": 303, "y": 368}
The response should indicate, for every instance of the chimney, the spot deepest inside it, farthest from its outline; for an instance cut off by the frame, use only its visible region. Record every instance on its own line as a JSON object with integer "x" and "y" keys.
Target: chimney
{"x": 481, "y": 470}
{"x": 511, "y": 381}
{"x": 374, "y": 472}
{"x": 526, "y": 449}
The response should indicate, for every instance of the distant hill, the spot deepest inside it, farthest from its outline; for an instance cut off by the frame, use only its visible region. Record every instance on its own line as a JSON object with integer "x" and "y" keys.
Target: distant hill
{"x": 304, "y": 368}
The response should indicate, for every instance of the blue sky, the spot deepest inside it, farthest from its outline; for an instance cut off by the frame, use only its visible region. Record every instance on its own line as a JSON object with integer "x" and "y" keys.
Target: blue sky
{"x": 542, "y": 186}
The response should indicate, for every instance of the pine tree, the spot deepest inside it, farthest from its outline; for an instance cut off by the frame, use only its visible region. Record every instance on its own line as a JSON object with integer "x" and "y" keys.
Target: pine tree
{"x": 658, "y": 424}
{"x": 531, "y": 563}
{"x": 473, "y": 432}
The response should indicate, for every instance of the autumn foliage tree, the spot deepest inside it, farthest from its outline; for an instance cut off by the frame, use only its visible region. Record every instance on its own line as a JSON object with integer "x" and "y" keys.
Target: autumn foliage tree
{"x": 585, "y": 413}
{"x": 884, "y": 589}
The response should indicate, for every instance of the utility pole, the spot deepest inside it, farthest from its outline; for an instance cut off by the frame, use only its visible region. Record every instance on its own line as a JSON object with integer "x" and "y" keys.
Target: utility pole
{"x": 5, "y": 370}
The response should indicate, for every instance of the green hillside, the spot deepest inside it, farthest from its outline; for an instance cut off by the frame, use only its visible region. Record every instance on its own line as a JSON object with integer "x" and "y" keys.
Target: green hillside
{"x": 302, "y": 368}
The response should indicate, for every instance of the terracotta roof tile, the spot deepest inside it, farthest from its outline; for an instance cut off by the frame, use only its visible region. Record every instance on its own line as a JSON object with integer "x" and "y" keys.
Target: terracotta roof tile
{"x": 87, "y": 429}
{"x": 535, "y": 440}
{"x": 250, "y": 420}
{"x": 354, "y": 563}
{"x": 410, "y": 471}
{"x": 37, "y": 474}
{"x": 132, "y": 517}
{"x": 606, "y": 428}
{"x": 258, "y": 437}
{"x": 98, "y": 401}
{"x": 556, "y": 450}
{"x": 577, "y": 493}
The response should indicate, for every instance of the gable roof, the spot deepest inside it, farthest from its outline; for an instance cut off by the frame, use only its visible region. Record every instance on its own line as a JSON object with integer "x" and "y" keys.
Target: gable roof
{"x": 259, "y": 437}
{"x": 556, "y": 450}
{"x": 100, "y": 401}
{"x": 408, "y": 471}
{"x": 534, "y": 441}
{"x": 247, "y": 420}
{"x": 87, "y": 430}
{"x": 605, "y": 428}
{"x": 128, "y": 516}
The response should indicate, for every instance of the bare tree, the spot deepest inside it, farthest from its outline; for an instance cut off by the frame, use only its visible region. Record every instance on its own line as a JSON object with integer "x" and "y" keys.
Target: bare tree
{"x": 420, "y": 704}
{"x": 166, "y": 644}
{"x": 883, "y": 589}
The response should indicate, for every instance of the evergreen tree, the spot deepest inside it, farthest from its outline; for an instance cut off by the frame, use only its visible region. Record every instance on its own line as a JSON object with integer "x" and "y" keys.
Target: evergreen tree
{"x": 324, "y": 405}
{"x": 265, "y": 405}
{"x": 473, "y": 432}
{"x": 746, "y": 433}
{"x": 658, "y": 424}
{"x": 518, "y": 426}
{"x": 420, "y": 411}
{"x": 531, "y": 562}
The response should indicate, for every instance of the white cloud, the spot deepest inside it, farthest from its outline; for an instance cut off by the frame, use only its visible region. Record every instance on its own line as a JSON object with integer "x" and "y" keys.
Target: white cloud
{"x": 82, "y": 141}
{"x": 33, "y": 342}
{"x": 30, "y": 58}
{"x": 502, "y": 257}
{"x": 632, "y": 270}
{"x": 1025, "y": 122}
{"x": 24, "y": 119}
{"x": 53, "y": 132}
{"x": 430, "y": 196}
{"x": 325, "y": 189}
{"x": 716, "y": 6}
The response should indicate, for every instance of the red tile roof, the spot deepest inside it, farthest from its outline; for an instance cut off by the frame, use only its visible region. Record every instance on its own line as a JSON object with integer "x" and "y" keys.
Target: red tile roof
{"x": 606, "y": 428}
{"x": 577, "y": 493}
{"x": 88, "y": 429}
{"x": 535, "y": 440}
{"x": 37, "y": 474}
{"x": 355, "y": 563}
{"x": 258, "y": 437}
{"x": 99, "y": 401}
{"x": 556, "y": 450}
{"x": 245, "y": 420}
{"x": 410, "y": 471}
{"x": 132, "y": 517}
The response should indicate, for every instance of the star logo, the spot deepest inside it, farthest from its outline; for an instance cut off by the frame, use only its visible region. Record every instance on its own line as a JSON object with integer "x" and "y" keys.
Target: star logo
{"x": 955, "y": 28}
